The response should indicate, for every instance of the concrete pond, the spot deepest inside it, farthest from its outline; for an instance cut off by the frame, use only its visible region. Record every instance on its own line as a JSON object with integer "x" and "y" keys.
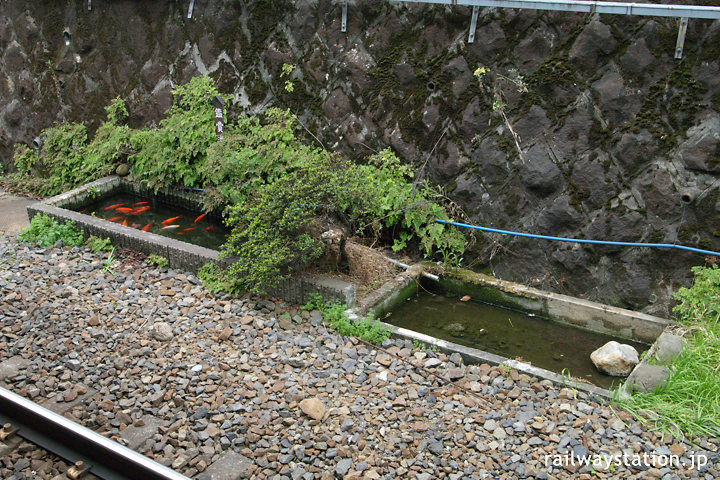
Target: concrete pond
{"x": 586, "y": 322}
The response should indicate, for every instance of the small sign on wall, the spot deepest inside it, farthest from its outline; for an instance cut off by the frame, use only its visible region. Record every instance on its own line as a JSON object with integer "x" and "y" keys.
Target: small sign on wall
{"x": 219, "y": 124}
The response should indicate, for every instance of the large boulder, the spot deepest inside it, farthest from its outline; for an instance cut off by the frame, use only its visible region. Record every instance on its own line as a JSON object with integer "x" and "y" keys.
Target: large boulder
{"x": 667, "y": 347}
{"x": 647, "y": 378}
{"x": 615, "y": 359}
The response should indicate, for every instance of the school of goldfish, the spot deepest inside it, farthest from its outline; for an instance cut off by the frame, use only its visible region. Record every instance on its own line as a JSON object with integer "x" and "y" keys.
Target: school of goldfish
{"x": 171, "y": 223}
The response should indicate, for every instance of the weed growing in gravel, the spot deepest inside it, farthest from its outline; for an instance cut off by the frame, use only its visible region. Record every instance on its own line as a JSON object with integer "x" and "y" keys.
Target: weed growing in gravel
{"x": 689, "y": 402}
{"x": 97, "y": 244}
{"x": 45, "y": 231}
{"x": 367, "y": 328}
{"x": 110, "y": 261}
{"x": 158, "y": 260}
{"x": 217, "y": 280}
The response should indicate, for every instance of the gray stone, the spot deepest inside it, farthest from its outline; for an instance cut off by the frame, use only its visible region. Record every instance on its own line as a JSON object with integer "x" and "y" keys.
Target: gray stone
{"x": 432, "y": 362}
{"x": 161, "y": 331}
{"x": 456, "y": 358}
{"x": 137, "y": 436}
{"x": 646, "y": 378}
{"x": 499, "y": 433}
{"x": 615, "y": 359}
{"x": 348, "y": 364}
{"x": 12, "y": 366}
{"x": 122, "y": 170}
{"x": 436, "y": 447}
{"x": 230, "y": 466}
{"x": 667, "y": 347}
{"x": 456, "y": 373}
{"x": 343, "y": 466}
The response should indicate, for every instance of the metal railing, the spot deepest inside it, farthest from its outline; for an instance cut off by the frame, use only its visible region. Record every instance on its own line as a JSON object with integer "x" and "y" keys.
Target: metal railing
{"x": 684, "y": 12}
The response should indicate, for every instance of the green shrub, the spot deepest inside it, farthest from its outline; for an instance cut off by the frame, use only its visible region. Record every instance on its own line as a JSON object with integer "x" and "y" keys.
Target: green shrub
{"x": 172, "y": 153}
{"x": 273, "y": 230}
{"x": 45, "y": 231}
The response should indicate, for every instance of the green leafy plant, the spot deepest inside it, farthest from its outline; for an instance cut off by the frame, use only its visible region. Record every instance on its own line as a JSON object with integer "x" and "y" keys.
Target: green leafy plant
{"x": 315, "y": 302}
{"x": 216, "y": 279}
{"x": 287, "y": 70}
{"x": 365, "y": 328}
{"x": 417, "y": 344}
{"x": 157, "y": 260}
{"x": 172, "y": 153}
{"x": 45, "y": 231}
{"x": 110, "y": 261}
{"x": 97, "y": 244}
{"x": 335, "y": 316}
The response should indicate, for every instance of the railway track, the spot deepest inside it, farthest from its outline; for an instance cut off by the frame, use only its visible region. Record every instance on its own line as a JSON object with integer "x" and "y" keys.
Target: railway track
{"x": 89, "y": 454}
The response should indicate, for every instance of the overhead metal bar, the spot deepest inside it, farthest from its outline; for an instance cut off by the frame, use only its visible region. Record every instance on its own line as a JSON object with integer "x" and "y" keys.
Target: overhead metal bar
{"x": 684, "y": 12}
{"x": 343, "y": 25}
{"x": 473, "y": 24}
{"x": 679, "y": 45}
{"x": 584, "y": 6}
{"x": 191, "y": 8}
{"x": 89, "y": 4}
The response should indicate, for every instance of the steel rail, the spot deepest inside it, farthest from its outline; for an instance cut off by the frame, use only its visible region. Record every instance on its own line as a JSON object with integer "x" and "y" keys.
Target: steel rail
{"x": 102, "y": 457}
{"x": 585, "y": 6}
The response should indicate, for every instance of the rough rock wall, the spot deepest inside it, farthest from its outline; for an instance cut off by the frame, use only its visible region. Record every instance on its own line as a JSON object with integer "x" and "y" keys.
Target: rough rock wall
{"x": 613, "y": 128}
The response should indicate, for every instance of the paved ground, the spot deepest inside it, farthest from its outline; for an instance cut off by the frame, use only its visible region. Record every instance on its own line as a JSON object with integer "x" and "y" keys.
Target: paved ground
{"x": 12, "y": 212}
{"x": 224, "y": 388}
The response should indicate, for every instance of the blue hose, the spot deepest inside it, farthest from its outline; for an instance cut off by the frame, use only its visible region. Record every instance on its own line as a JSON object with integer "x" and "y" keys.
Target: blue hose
{"x": 576, "y": 240}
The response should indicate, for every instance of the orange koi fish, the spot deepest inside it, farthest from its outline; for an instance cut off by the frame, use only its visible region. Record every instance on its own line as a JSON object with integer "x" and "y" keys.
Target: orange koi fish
{"x": 114, "y": 219}
{"x": 124, "y": 222}
{"x": 208, "y": 229}
{"x": 180, "y": 233}
{"x": 168, "y": 227}
{"x": 188, "y": 229}
{"x": 200, "y": 218}
{"x": 140, "y": 210}
{"x": 147, "y": 227}
{"x": 81, "y": 211}
{"x": 169, "y": 220}
{"x": 114, "y": 206}
{"x": 140, "y": 203}
{"x": 124, "y": 210}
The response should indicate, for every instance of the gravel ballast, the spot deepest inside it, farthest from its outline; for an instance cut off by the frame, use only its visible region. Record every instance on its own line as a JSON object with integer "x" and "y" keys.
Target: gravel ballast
{"x": 212, "y": 386}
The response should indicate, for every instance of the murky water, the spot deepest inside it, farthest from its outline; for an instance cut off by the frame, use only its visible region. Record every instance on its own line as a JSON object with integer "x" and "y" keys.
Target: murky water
{"x": 511, "y": 334}
{"x": 148, "y": 214}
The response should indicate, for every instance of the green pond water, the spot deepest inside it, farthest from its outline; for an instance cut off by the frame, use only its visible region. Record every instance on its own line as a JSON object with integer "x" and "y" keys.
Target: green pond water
{"x": 508, "y": 333}
{"x": 206, "y": 232}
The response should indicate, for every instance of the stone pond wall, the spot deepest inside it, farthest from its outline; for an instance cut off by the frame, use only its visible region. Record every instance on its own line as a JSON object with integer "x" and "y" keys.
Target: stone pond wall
{"x": 613, "y": 128}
